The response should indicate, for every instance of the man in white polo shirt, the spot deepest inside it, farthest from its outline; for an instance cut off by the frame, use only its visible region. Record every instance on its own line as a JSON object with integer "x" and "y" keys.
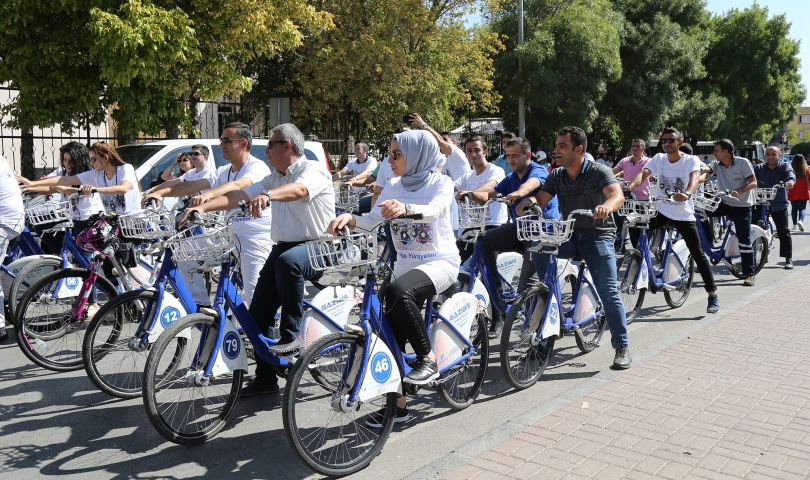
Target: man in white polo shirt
{"x": 302, "y": 200}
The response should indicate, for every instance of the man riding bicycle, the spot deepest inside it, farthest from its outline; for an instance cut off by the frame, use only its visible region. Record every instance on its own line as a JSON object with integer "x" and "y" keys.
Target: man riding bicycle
{"x": 584, "y": 184}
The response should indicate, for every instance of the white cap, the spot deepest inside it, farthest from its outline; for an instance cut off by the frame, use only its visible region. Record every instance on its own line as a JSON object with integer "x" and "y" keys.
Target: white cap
{"x": 541, "y": 155}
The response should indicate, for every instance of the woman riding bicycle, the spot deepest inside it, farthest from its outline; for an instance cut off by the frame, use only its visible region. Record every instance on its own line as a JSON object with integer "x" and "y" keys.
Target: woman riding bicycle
{"x": 428, "y": 260}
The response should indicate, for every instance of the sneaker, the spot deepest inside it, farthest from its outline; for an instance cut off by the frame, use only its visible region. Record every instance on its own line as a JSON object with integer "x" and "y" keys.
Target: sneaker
{"x": 258, "y": 386}
{"x": 714, "y": 304}
{"x": 800, "y": 225}
{"x": 622, "y": 359}
{"x": 750, "y": 281}
{"x": 495, "y": 328}
{"x": 290, "y": 347}
{"x": 423, "y": 372}
{"x": 374, "y": 420}
{"x": 3, "y": 332}
{"x": 788, "y": 264}
{"x": 92, "y": 310}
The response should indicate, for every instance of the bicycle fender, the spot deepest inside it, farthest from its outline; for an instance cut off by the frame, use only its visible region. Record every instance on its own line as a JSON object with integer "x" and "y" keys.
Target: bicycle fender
{"x": 586, "y": 303}
{"x": 337, "y": 303}
{"x": 508, "y": 264}
{"x": 757, "y": 231}
{"x": 382, "y": 375}
{"x": 479, "y": 291}
{"x": 169, "y": 311}
{"x": 16, "y": 267}
{"x": 565, "y": 268}
{"x": 553, "y": 318}
{"x": 231, "y": 355}
{"x": 460, "y": 310}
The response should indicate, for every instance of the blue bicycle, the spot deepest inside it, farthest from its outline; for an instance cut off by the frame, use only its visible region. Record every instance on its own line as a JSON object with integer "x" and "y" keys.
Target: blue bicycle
{"x": 346, "y": 376}
{"x": 540, "y": 315}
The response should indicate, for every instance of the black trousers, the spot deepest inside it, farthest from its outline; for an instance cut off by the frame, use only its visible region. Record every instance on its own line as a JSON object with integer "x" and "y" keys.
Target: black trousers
{"x": 465, "y": 249}
{"x": 780, "y": 219}
{"x": 690, "y": 234}
{"x": 503, "y": 238}
{"x": 405, "y": 297}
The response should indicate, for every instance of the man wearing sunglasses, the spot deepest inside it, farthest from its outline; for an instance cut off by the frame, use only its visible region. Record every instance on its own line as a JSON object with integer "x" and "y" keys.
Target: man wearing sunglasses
{"x": 252, "y": 234}
{"x": 678, "y": 176}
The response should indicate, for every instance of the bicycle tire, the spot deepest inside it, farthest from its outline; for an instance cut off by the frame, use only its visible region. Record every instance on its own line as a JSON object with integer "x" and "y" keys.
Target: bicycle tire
{"x": 632, "y": 298}
{"x": 162, "y": 380}
{"x": 125, "y": 376}
{"x": 54, "y": 327}
{"x": 25, "y": 279}
{"x": 522, "y": 362}
{"x": 684, "y": 287}
{"x": 311, "y": 380}
{"x": 591, "y": 334}
{"x": 465, "y": 380}
{"x": 760, "y": 247}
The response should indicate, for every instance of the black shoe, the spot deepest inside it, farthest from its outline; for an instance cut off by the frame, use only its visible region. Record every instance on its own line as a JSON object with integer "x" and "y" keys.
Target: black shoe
{"x": 289, "y": 347}
{"x": 3, "y": 332}
{"x": 714, "y": 304}
{"x": 423, "y": 372}
{"x": 258, "y": 386}
{"x": 622, "y": 359}
{"x": 374, "y": 420}
{"x": 788, "y": 264}
{"x": 495, "y": 328}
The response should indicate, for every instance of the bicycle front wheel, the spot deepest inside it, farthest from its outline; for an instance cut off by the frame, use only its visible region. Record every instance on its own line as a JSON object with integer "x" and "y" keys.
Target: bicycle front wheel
{"x": 324, "y": 435}
{"x": 48, "y": 331}
{"x": 524, "y": 356}
{"x": 462, "y": 383}
{"x": 632, "y": 298}
{"x": 677, "y": 297}
{"x": 184, "y": 406}
{"x": 113, "y": 357}
{"x": 25, "y": 279}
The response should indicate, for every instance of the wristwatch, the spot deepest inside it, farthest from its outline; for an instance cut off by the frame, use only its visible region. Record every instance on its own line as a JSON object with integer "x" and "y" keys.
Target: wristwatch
{"x": 424, "y": 126}
{"x": 407, "y": 209}
{"x": 269, "y": 195}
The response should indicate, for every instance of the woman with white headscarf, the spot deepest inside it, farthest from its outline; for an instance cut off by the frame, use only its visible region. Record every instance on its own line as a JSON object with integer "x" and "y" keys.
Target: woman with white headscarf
{"x": 427, "y": 258}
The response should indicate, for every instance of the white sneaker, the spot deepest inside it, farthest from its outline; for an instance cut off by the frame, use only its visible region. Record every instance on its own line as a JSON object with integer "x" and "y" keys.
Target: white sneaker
{"x": 92, "y": 310}
{"x": 800, "y": 225}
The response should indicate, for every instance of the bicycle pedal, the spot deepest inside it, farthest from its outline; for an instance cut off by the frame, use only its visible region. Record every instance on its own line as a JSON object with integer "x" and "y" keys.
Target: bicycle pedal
{"x": 668, "y": 287}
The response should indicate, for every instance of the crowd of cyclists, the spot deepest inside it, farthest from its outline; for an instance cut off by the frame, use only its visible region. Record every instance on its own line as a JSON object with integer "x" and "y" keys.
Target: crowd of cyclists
{"x": 427, "y": 177}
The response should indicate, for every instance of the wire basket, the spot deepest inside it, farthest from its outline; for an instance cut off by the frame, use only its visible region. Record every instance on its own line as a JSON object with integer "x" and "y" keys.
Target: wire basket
{"x": 710, "y": 187}
{"x": 471, "y": 215}
{"x": 213, "y": 219}
{"x": 532, "y": 228}
{"x": 49, "y": 212}
{"x": 195, "y": 243}
{"x": 353, "y": 250}
{"x": 347, "y": 201}
{"x": 147, "y": 225}
{"x": 638, "y": 210}
{"x": 706, "y": 202}
{"x": 764, "y": 195}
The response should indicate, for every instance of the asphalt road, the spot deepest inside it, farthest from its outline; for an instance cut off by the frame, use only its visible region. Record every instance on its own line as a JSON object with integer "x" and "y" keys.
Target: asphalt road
{"x": 57, "y": 424}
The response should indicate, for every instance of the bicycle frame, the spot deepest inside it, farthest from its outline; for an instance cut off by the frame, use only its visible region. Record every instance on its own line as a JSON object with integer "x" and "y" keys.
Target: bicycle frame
{"x": 654, "y": 278}
{"x": 478, "y": 266}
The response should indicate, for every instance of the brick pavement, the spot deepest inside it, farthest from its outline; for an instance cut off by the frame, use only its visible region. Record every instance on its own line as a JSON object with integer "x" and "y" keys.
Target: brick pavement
{"x": 728, "y": 401}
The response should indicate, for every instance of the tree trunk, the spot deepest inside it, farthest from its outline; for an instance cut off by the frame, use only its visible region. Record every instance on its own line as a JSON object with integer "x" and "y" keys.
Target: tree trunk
{"x": 195, "y": 119}
{"x": 344, "y": 136}
{"x": 27, "y": 167}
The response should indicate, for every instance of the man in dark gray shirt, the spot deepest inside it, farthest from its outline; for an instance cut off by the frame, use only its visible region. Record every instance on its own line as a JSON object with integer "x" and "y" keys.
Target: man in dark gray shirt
{"x": 584, "y": 184}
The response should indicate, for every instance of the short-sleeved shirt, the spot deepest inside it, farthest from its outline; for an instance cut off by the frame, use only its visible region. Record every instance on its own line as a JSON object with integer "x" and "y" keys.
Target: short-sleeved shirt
{"x": 732, "y": 178}
{"x": 674, "y": 178}
{"x": 383, "y": 174}
{"x": 122, "y": 204}
{"x": 208, "y": 172}
{"x": 501, "y": 162}
{"x": 255, "y": 170}
{"x": 497, "y": 214}
{"x": 584, "y": 192}
{"x": 86, "y": 205}
{"x": 456, "y": 165}
{"x": 512, "y": 182}
{"x": 631, "y": 170}
{"x": 304, "y": 219}
{"x": 11, "y": 204}
{"x": 355, "y": 168}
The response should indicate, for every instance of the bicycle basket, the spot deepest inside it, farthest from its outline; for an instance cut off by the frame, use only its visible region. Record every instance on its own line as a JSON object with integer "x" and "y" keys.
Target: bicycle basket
{"x": 764, "y": 195}
{"x": 471, "y": 215}
{"x": 49, "y": 212}
{"x": 97, "y": 237}
{"x": 638, "y": 210}
{"x": 353, "y": 250}
{"x": 347, "y": 201}
{"x": 532, "y": 228}
{"x": 706, "y": 202}
{"x": 147, "y": 225}
{"x": 197, "y": 244}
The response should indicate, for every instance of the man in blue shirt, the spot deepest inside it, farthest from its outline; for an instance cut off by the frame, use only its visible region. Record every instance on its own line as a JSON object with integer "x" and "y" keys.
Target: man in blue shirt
{"x": 770, "y": 174}
{"x": 525, "y": 180}
{"x": 501, "y": 160}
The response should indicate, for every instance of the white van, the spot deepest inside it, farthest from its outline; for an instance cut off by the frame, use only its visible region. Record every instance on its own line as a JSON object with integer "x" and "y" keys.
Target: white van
{"x": 152, "y": 158}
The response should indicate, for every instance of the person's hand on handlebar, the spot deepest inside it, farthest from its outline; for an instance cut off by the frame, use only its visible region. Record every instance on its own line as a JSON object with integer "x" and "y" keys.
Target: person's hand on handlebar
{"x": 601, "y": 212}
{"x": 337, "y": 225}
{"x": 514, "y": 197}
{"x": 188, "y": 212}
{"x": 519, "y": 208}
{"x": 680, "y": 197}
{"x": 198, "y": 200}
{"x": 789, "y": 184}
{"x": 257, "y": 205}
{"x": 152, "y": 195}
{"x": 86, "y": 189}
{"x": 392, "y": 208}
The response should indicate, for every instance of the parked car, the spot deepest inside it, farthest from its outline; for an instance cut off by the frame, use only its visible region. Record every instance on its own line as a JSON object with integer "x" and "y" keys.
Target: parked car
{"x": 152, "y": 158}
{"x": 787, "y": 158}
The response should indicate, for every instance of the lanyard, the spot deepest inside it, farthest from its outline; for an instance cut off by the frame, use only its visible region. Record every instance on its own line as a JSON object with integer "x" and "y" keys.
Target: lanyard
{"x": 236, "y": 176}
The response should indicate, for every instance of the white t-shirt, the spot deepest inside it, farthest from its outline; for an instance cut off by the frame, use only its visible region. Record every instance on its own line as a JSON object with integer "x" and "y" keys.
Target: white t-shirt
{"x": 673, "y": 178}
{"x": 122, "y": 204}
{"x": 11, "y": 204}
{"x": 498, "y": 214}
{"x": 255, "y": 170}
{"x": 208, "y": 172}
{"x": 431, "y": 242}
{"x": 355, "y": 168}
{"x": 86, "y": 205}
{"x": 456, "y": 165}
{"x": 384, "y": 174}
{"x": 59, "y": 172}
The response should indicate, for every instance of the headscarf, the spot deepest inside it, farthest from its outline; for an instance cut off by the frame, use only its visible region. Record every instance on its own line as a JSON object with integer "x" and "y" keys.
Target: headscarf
{"x": 422, "y": 156}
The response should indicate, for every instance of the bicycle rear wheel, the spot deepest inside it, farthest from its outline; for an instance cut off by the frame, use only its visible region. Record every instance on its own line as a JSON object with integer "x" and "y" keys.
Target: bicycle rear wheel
{"x": 183, "y": 407}
{"x": 25, "y": 279}
{"x": 524, "y": 357}
{"x": 591, "y": 334}
{"x": 323, "y": 435}
{"x": 46, "y": 331}
{"x": 463, "y": 382}
{"x": 632, "y": 298}
{"x": 676, "y": 298}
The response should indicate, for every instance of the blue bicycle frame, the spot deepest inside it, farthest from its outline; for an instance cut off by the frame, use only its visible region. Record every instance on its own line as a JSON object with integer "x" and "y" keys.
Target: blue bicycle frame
{"x": 656, "y": 276}
{"x": 478, "y": 265}
{"x": 551, "y": 280}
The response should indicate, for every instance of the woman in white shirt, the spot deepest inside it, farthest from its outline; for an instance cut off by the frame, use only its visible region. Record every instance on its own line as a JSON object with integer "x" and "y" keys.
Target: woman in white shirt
{"x": 428, "y": 260}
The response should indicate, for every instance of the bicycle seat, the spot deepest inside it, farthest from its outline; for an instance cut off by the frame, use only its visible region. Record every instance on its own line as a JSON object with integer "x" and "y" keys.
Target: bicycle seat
{"x": 449, "y": 291}
{"x": 464, "y": 277}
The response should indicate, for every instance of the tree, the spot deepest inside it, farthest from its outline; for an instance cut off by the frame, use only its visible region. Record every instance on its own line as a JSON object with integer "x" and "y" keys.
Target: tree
{"x": 792, "y": 134}
{"x": 570, "y": 55}
{"x": 754, "y": 64}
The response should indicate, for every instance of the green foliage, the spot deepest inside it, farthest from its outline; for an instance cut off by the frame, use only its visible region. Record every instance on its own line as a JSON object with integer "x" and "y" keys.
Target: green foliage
{"x": 803, "y": 148}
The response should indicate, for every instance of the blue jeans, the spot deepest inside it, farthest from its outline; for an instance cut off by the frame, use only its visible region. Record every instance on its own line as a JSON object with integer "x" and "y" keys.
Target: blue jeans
{"x": 797, "y": 210}
{"x": 281, "y": 284}
{"x": 600, "y": 256}
{"x": 364, "y": 205}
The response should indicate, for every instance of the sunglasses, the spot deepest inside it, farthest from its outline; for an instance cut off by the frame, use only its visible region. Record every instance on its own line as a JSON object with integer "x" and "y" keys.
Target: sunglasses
{"x": 395, "y": 154}
{"x": 270, "y": 143}
{"x": 197, "y": 154}
{"x": 185, "y": 160}
{"x": 228, "y": 140}
{"x": 668, "y": 140}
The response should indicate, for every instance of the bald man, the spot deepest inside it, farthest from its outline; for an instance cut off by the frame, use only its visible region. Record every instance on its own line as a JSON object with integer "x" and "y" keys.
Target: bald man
{"x": 770, "y": 174}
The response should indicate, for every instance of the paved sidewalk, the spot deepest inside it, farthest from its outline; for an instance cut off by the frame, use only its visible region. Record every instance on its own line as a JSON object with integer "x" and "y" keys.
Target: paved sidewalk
{"x": 728, "y": 401}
